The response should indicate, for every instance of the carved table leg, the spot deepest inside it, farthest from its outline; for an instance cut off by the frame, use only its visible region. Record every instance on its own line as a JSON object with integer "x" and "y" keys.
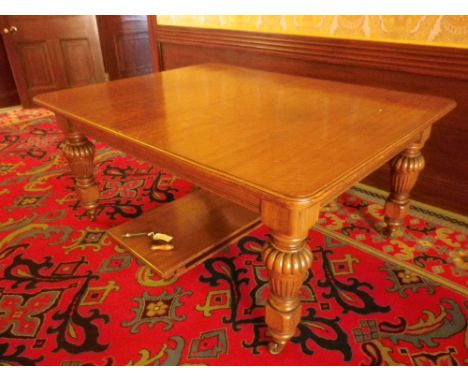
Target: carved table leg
{"x": 288, "y": 259}
{"x": 406, "y": 168}
{"x": 79, "y": 152}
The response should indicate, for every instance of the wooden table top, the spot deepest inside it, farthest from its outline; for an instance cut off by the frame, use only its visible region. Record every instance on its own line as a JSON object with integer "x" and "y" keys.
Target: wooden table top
{"x": 280, "y": 135}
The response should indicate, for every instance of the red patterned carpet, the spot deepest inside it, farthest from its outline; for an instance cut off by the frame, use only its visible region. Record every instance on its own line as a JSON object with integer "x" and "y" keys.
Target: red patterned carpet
{"x": 70, "y": 296}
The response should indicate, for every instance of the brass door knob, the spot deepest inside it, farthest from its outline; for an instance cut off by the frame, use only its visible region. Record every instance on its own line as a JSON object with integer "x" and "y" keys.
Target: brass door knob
{"x": 11, "y": 30}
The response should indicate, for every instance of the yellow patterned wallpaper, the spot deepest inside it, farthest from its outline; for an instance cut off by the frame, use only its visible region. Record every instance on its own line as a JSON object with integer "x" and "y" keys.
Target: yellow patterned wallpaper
{"x": 426, "y": 30}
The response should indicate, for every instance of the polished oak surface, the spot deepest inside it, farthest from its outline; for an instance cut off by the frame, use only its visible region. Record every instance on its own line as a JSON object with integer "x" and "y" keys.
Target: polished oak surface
{"x": 281, "y": 136}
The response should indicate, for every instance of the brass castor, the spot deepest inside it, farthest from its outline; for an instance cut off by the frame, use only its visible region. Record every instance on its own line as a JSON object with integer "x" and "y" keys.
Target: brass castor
{"x": 91, "y": 215}
{"x": 275, "y": 348}
{"x": 392, "y": 228}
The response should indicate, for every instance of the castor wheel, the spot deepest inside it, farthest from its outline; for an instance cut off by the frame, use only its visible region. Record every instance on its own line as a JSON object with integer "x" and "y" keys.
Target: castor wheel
{"x": 275, "y": 348}
{"x": 91, "y": 215}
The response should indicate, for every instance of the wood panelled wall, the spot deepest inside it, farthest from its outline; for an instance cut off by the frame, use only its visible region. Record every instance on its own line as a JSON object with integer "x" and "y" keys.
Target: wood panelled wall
{"x": 423, "y": 69}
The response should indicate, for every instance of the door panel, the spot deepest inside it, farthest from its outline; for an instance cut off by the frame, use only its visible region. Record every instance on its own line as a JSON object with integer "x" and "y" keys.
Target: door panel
{"x": 8, "y": 93}
{"x": 133, "y": 54}
{"x": 52, "y": 52}
{"x": 78, "y": 63}
{"x": 37, "y": 66}
{"x": 125, "y": 45}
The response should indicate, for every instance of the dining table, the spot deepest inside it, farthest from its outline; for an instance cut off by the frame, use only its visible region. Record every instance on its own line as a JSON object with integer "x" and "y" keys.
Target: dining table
{"x": 262, "y": 148}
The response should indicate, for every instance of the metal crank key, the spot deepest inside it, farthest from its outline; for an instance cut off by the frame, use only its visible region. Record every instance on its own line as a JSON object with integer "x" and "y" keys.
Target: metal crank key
{"x": 160, "y": 240}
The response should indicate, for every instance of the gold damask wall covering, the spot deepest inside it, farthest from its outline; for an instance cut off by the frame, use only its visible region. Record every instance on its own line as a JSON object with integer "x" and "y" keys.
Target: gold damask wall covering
{"x": 427, "y": 30}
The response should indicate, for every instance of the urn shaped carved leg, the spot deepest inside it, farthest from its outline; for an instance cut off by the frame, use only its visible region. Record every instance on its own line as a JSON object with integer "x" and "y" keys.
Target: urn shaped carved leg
{"x": 79, "y": 152}
{"x": 405, "y": 169}
{"x": 288, "y": 259}
{"x": 288, "y": 262}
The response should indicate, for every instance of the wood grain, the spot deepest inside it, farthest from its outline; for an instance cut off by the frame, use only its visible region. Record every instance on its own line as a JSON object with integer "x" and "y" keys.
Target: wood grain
{"x": 125, "y": 45}
{"x": 429, "y": 70}
{"x": 269, "y": 128}
{"x": 201, "y": 224}
{"x": 417, "y": 59}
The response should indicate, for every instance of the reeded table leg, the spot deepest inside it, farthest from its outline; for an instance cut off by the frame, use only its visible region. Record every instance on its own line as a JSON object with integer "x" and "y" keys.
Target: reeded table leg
{"x": 288, "y": 259}
{"x": 79, "y": 152}
{"x": 406, "y": 168}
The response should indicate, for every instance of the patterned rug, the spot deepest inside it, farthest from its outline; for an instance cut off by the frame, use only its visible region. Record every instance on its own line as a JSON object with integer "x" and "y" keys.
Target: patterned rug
{"x": 70, "y": 296}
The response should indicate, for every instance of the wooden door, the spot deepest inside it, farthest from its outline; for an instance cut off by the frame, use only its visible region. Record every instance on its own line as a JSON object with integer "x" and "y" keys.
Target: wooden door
{"x": 52, "y": 52}
{"x": 125, "y": 45}
{"x": 8, "y": 93}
